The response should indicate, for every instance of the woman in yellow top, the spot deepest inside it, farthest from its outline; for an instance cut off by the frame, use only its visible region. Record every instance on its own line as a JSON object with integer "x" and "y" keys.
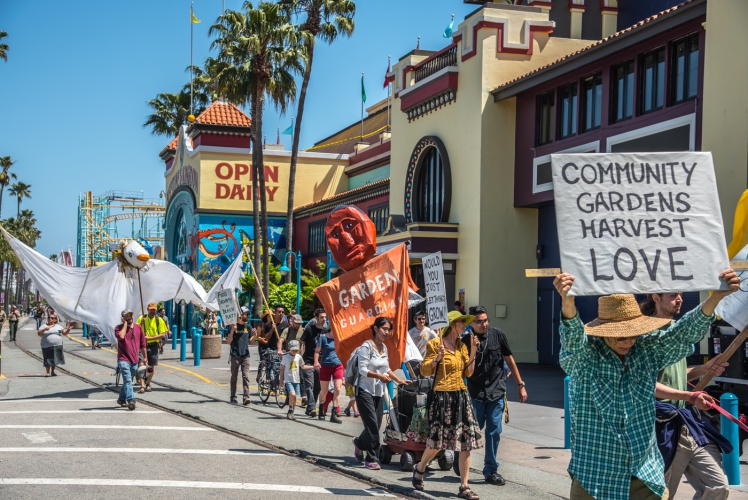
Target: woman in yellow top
{"x": 452, "y": 422}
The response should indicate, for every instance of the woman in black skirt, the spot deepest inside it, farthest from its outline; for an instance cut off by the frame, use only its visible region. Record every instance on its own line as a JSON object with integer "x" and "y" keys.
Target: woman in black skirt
{"x": 452, "y": 422}
{"x": 51, "y": 341}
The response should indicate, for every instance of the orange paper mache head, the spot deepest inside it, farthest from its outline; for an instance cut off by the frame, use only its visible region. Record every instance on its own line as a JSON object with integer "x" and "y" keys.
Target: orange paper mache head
{"x": 351, "y": 236}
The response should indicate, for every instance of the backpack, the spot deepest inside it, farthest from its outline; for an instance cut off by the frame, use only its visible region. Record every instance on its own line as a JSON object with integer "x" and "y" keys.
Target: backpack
{"x": 350, "y": 377}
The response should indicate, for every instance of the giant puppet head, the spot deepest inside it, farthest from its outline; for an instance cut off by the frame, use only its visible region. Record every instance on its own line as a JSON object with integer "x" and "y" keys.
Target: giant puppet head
{"x": 351, "y": 236}
{"x": 135, "y": 255}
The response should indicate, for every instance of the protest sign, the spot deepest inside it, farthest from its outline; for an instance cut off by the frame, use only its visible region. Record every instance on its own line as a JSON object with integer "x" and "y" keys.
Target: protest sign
{"x": 639, "y": 222}
{"x": 411, "y": 351}
{"x": 227, "y": 305}
{"x": 436, "y": 295}
{"x": 378, "y": 288}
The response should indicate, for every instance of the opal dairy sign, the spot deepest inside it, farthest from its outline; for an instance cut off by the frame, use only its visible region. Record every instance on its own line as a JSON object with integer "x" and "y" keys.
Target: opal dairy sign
{"x": 639, "y": 222}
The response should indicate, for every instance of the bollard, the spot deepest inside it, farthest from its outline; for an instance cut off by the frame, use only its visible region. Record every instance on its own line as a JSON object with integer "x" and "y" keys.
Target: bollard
{"x": 174, "y": 335}
{"x": 193, "y": 330}
{"x": 85, "y": 330}
{"x": 730, "y": 461}
{"x": 197, "y": 341}
{"x": 567, "y": 419}
{"x": 183, "y": 347}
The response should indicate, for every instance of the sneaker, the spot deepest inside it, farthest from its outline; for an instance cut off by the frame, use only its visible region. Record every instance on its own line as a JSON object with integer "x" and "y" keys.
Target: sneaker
{"x": 496, "y": 479}
{"x": 233, "y": 401}
{"x": 356, "y": 414}
{"x": 246, "y": 401}
{"x": 290, "y": 416}
{"x": 121, "y": 403}
{"x": 357, "y": 454}
{"x": 347, "y": 412}
{"x": 334, "y": 418}
{"x": 131, "y": 404}
{"x": 312, "y": 413}
{"x": 372, "y": 465}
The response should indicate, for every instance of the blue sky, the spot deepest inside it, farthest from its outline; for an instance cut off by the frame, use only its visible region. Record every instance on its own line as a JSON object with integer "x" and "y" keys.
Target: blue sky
{"x": 79, "y": 73}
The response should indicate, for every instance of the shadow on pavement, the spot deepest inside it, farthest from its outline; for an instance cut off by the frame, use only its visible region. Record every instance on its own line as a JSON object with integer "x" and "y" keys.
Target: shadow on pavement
{"x": 545, "y": 385}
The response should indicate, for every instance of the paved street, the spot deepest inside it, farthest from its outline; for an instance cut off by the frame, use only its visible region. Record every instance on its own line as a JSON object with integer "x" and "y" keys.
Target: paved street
{"x": 197, "y": 460}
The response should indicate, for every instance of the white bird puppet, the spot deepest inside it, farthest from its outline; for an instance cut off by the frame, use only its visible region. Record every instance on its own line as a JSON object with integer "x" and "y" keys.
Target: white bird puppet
{"x": 97, "y": 295}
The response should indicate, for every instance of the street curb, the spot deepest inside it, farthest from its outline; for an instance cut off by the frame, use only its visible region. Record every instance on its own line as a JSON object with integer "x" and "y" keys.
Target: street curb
{"x": 301, "y": 454}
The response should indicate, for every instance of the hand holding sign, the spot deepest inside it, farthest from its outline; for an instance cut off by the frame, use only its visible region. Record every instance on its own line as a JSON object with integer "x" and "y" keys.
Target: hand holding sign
{"x": 638, "y": 222}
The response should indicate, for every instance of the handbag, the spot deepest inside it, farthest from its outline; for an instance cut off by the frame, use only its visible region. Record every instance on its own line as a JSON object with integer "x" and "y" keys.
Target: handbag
{"x": 419, "y": 422}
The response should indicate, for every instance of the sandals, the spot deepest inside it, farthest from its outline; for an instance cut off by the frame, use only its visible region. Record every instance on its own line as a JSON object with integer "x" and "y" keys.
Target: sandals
{"x": 417, "y": 483}
{"x": 467, "y": 493}
{"x": 148, "y": 388}
{"x": 142, "y": 390}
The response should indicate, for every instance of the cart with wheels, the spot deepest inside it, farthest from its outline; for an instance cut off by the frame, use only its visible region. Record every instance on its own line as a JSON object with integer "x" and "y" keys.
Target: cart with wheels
{"x": 396, "y": 440}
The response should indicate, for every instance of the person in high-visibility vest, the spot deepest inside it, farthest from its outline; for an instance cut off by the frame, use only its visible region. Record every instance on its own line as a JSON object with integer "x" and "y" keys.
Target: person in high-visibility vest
{"x": 155, "y": 329}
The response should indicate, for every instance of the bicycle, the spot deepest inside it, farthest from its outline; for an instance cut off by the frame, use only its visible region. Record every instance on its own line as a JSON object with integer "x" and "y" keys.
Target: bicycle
{"x": 269, "y": 369}
{"x": 117, "y": 376}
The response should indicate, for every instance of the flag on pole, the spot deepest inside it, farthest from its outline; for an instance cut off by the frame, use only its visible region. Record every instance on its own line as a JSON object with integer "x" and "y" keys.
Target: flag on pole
{"x": 363, "y": 89}
{"x": 386, "y": 80}
{"x": 289, "y": 130}
{"x": 193, "y": 18}
{"x": 278, "y": 140}
{"x": 449, "y": 29}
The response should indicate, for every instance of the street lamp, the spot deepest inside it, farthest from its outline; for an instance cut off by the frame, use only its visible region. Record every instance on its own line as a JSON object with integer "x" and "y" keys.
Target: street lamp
{"x": 284, "y": 269}
{"x": 332, "y": 267}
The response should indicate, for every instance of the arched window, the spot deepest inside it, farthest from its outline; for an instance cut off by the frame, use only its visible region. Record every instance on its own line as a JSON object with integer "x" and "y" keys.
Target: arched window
{"x": 428, "y": 190}
{"x": 429, "y": 195}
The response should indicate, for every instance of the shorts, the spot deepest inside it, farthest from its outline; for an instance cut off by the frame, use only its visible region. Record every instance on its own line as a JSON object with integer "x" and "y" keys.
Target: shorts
{"x": 293, "y": 387}
{"x": 335, "y": 372}
{"x": 152, "y": 351}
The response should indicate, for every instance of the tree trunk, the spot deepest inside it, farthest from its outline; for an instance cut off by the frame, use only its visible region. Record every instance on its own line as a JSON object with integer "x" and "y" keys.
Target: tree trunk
{"x": 295, "y": 152}
{"x": 2, "y": 193}
{"x": 18, "y": 213}
{"x": 256, "y": 160}
{"x": 265, "y": 233}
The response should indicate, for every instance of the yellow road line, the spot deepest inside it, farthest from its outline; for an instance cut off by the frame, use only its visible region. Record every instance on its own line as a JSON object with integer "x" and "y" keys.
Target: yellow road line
{"x": 207, "y": 380}
{"x": 79, "y": 341}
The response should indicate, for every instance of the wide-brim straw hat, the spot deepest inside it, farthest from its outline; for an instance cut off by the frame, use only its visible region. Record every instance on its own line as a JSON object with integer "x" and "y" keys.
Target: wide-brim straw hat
{"x": 619, "y": 316}
{"x": 458, "y": 316}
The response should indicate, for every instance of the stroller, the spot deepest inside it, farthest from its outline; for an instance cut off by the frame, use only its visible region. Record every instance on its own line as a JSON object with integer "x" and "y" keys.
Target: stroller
{"x": 396, "y": 441}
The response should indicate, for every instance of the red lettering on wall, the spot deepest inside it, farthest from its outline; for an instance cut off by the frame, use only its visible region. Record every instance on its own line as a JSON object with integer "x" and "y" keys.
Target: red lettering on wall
{"x": 271, "y": 172}
{"x": 219, "y": 170}
{"x": 271, "y": 192}
{"x": 222, "y": 191}
{"x": 249, "y": 192}
{"x": 237, "y": 191}
{"x": 241, "y": 169}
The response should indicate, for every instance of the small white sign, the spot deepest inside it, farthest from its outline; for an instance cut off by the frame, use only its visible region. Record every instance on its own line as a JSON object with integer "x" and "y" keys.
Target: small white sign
{"x": 228, "y": 306}
{"x": 639, "y": 222}
{"x": 437, "y": 308}
{"x": 411, "y": 350}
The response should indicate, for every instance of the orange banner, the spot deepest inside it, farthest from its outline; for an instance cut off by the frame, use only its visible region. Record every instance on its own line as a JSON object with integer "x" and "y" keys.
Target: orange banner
{"x": 355, "y": 299}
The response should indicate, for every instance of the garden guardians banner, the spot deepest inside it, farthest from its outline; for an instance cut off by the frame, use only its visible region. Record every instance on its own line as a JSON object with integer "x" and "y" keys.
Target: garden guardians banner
{"x": 639, "y": 222}
{"x": 355, "y": 299}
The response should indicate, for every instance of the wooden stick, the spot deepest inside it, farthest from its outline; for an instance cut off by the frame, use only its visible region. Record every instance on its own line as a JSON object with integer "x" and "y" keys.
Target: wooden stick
{"x": 726, "y": 354}
{"x": 552, "y": 272}
{"x": 264, "y": 300}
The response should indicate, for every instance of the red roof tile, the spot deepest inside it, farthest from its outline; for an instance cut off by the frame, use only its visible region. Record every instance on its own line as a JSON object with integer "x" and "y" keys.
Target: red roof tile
{"x": 223, "y": 113}
{"x": 595, "y": 44}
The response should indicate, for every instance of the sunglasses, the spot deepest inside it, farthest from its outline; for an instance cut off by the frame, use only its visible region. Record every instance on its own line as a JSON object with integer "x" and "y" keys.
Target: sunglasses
{"x": 481, "y": 321}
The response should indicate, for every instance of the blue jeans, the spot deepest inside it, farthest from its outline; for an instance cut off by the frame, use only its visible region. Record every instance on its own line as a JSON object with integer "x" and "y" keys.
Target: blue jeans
{"x": 490, "y": 414}
{"x": 127, "y": 370}
{"x": 38, "y": 323}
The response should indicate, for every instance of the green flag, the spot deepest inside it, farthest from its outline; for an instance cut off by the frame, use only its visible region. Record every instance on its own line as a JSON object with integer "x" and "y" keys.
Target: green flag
{"x": 363, "y": 89}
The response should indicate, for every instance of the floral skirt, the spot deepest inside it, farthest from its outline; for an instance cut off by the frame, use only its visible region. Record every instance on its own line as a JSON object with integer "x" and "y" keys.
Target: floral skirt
{"x": 452, "y": 423}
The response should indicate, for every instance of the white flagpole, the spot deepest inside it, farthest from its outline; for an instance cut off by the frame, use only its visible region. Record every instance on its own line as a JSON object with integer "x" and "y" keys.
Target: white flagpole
{"x": 362, "y": 106}
{"x": 389, "y": 93}
{"x": 192, "y": 77}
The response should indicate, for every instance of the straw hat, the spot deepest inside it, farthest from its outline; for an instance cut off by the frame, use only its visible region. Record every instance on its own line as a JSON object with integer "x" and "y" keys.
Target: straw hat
{"x": 619, "y": 316}
{"x": 457, "y": 316}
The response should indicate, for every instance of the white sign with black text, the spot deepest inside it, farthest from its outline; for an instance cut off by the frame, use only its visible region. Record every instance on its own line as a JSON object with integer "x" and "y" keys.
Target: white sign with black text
{"x": 639, "y": 222}
{"x": 437, "y": 308}
{"x": 227, "y": 305}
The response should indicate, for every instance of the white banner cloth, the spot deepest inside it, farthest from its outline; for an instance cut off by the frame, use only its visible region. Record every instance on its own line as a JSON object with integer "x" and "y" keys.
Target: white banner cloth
{"x": 639, "y": 222}
{"x": 97, "y": 295}
{"x": 228, "y": 280}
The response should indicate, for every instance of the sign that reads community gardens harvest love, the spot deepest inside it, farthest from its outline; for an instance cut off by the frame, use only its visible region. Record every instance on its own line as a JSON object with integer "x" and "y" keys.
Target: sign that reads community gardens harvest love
{"x": 639, "y": 222}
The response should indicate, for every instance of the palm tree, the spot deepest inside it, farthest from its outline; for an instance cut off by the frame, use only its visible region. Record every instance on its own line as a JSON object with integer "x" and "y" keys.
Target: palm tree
{"x": 53, "y": 257}
{"x": 326, "y": 20}
{"x": 5, "y": 177}
{"x": 265, "y": 50}
{"x": 170, "y": 111}
{"x": 20, "y": 190}
{"x": 3, "y": 46}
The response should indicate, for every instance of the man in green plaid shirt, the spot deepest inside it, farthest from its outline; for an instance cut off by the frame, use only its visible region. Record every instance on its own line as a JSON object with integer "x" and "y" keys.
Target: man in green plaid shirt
{"x": 613, "y": 371}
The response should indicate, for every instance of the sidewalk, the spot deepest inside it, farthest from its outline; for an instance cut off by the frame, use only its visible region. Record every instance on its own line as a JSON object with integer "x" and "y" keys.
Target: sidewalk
{"x": 531, "y": 454}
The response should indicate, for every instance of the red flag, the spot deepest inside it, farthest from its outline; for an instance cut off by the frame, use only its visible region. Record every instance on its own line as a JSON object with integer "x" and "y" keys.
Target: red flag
{"x": 386, "y": 80}
{"x": 355, "y": 299}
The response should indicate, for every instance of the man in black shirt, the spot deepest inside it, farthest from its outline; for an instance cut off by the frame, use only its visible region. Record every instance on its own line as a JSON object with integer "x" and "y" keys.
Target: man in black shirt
{"x": 487, "y": 386}
{"x": 310, "y": 377}
{"x": 272, "y": 335}
{"x": 238, "y": 340}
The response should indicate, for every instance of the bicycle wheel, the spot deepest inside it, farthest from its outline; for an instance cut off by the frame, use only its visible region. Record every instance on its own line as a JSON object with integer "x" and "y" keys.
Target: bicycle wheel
{"x": 281, "y": 398}
{"x": 264, "y": 387}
